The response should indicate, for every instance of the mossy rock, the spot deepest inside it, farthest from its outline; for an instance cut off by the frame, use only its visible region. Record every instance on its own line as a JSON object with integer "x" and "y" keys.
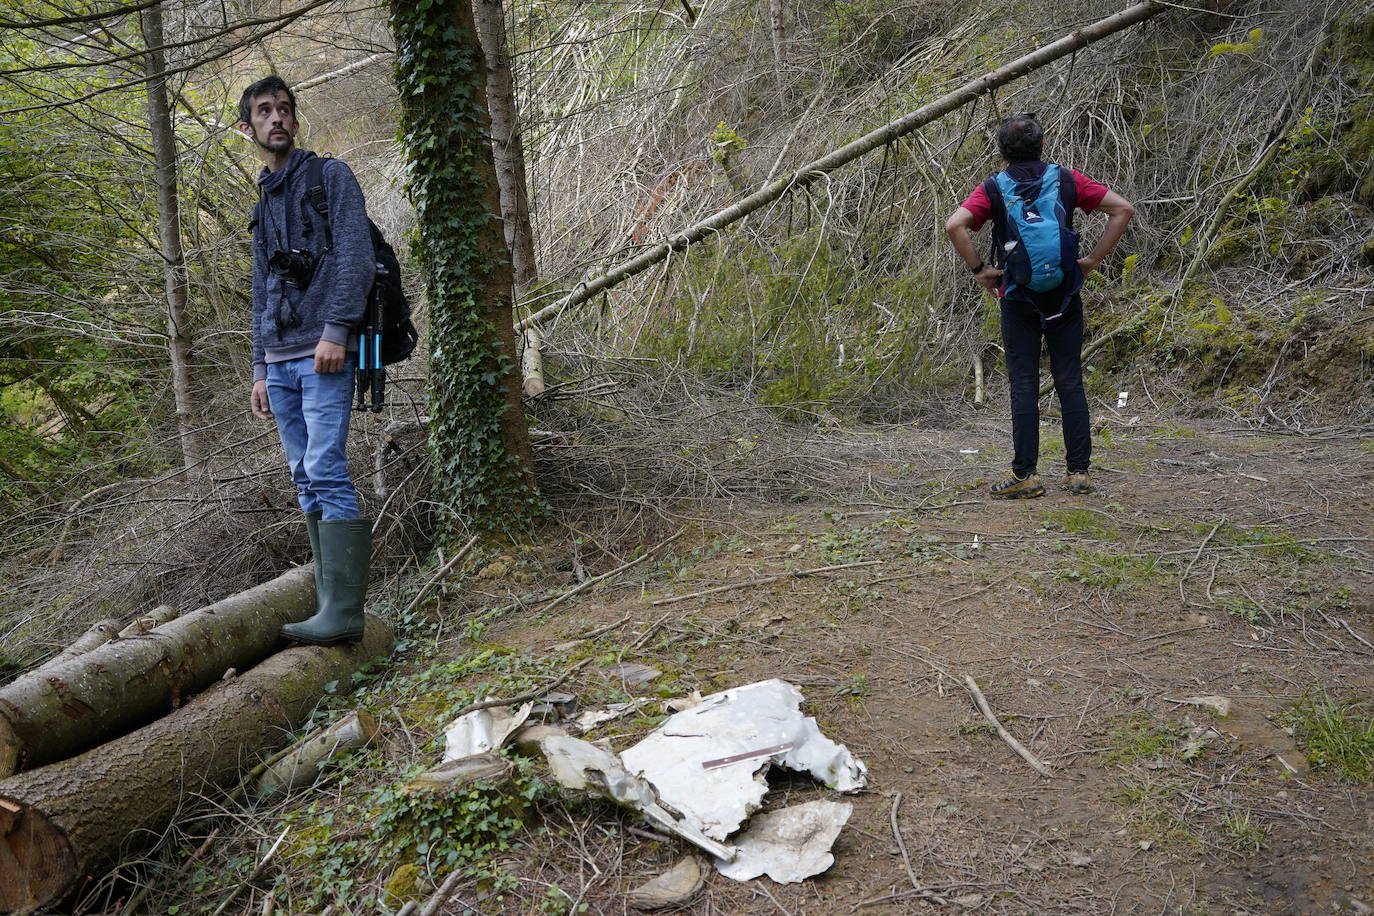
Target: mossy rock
{"x": 403, "y": 886}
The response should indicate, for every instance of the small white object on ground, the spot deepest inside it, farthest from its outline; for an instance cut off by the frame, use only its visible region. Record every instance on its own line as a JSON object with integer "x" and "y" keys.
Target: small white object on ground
{"x": 590, "y": 718}
{"x": 788, "y": 845}
{"x": 672, "y": 888}
{"x": 1217, "y": 704}
{"x": 707, "y": 762}
{"x": 482, "y": 730}
{"x": 634, "y": 674}
{"x": 1121, "y": 398}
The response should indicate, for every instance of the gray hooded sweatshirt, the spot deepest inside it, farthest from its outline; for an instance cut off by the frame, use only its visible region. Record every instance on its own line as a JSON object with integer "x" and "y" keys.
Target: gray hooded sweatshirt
{"x": 289, "y": 322}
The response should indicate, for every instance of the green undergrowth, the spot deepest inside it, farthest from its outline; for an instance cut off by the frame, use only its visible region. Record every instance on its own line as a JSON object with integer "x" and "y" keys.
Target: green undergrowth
{"x": 332, "y": 847}
{"x": 1081, "y": 521}
{"x": 1141, "y": 737}
{"x": 1336, "y": 735}
{"x": 1152, "y": 807}
{"x": 1262, "y": 543}
{"x": 1111, "y": 570}
{"x": 801, "y": 323}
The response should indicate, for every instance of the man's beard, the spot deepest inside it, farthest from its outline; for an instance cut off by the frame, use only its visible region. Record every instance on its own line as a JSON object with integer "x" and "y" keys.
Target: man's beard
{"x": 274, "y": 146}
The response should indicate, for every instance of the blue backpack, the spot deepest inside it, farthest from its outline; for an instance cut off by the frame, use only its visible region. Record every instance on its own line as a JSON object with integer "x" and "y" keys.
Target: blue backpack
{"x": 1033, "y": 239}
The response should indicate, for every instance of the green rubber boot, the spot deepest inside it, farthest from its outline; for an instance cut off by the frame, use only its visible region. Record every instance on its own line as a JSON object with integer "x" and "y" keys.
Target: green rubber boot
{"x": 341, "y": 565}
{"x": 312, "y": 527}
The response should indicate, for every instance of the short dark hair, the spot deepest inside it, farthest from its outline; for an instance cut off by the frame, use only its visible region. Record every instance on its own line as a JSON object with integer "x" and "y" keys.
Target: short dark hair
{"x": 1020, "y": 138}
{"x": 268, "y": 85}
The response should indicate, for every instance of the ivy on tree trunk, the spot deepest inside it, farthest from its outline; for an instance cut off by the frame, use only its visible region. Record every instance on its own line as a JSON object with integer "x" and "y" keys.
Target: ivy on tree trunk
{"x": 477, "y": 426}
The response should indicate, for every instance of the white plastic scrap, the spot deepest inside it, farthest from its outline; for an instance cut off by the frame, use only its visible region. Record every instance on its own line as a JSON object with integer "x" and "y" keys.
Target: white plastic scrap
{"x": 788, "y": 845}
{"x": 706, "y": 761}
{"x": 581, "y": 765}
{"x": 482, "y": 730}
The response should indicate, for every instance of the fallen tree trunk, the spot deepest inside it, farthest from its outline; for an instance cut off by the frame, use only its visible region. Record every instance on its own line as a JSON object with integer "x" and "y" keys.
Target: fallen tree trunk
{"x": 64, "y": 709}
{"x": 80, "y": 816}
{"x": 876, "y": 139}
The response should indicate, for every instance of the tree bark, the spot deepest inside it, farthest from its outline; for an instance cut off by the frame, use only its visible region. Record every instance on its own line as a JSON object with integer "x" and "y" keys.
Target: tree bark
{"x": 64, "y": 709}
{"x": 814, "y": 171}
{"x": 478, "y": 435}
{"x": 506, "y": 144}
{"x": 775, "y": 26}
{"x": 82, "y": 815}
{"x": 174, "y": 271}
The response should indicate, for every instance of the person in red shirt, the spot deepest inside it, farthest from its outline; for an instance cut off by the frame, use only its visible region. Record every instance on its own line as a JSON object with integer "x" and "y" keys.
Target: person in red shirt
{"x": 1027, "y": 317}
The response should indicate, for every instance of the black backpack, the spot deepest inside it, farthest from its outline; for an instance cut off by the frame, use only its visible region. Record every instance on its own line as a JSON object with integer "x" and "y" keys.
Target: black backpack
{"x": 398, "y": 333}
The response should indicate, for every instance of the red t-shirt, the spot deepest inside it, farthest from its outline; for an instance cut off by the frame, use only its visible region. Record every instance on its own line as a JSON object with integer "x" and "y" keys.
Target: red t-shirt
{"x": 1090, "y": 195}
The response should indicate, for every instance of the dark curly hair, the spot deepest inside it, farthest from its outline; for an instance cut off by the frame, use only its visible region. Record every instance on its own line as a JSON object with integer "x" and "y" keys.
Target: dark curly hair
{"x": 268, "y": 85}
{"x": 1020, "y": 138}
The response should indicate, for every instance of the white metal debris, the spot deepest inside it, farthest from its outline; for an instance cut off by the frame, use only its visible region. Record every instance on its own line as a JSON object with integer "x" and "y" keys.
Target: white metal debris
{"x": 590, "y": 718}
{"x": 582, "y": 766}
{"x": 707, "y": 762}
{"x": 482, "y": 730}
{"x": 790, "y": 844}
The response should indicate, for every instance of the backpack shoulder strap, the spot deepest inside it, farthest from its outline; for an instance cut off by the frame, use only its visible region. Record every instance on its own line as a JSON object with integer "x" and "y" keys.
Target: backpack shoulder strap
{"x": 317, "y": 198}
{"x": 997, "y": 254}
{"x": 1068, "y": 193}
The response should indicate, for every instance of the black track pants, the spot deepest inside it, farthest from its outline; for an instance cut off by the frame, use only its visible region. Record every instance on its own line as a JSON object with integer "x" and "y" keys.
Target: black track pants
{"x": 1021, "y": 334}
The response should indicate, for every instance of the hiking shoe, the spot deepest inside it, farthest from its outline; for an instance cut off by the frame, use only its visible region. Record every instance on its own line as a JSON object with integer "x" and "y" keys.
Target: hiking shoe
{"x": 1077, "y": 483}
{"x": 1014, "y": 487}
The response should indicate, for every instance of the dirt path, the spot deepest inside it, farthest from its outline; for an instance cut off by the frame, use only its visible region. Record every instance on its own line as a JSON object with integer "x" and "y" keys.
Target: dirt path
{"x": 1210, "y": 562}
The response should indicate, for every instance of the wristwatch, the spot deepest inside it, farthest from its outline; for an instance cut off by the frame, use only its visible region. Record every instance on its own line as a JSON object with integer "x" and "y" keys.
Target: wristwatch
{"x": 979, "y": 268}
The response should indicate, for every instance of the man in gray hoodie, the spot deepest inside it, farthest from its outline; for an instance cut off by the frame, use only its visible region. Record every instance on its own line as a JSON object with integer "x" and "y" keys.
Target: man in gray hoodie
{"x": 312, "y": 273}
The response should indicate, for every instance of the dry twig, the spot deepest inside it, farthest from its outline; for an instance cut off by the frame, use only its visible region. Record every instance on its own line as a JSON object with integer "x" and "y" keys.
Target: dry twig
{"x": 986, "y": 710}
{"x": 764, "y": 580}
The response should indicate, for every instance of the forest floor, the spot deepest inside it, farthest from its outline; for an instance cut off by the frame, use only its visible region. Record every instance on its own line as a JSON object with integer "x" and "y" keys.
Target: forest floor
{"x": 1212, "y": 560}
{"x": 1209, "y": 561}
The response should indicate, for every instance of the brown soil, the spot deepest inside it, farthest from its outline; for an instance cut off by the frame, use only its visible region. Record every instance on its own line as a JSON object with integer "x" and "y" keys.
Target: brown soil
{"x": 1209, "y": 561}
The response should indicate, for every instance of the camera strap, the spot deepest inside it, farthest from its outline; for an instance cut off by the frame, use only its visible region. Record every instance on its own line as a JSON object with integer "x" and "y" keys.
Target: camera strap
{"x": 318, "y": 200}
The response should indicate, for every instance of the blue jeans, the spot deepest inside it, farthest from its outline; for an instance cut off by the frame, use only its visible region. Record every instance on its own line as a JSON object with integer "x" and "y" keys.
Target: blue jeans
{"x": 1021, "y": 336}
{"x": 312, "y": 414}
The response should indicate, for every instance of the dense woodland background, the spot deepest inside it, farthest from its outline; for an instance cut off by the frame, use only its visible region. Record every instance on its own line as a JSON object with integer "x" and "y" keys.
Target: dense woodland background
{"x": 131, "y": 474}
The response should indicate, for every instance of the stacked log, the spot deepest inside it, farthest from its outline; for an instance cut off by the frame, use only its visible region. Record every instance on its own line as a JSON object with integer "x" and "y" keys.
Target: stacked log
{"x": 80, "y": 816}
{"x": 67, "y": 706}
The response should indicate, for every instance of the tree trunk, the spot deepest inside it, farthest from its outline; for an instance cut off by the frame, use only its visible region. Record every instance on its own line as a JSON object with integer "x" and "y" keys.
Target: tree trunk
{"x": 82, "y": 815}
{"x": 174, "y": 272}
{"x": 506, "y": 144}
{"x": 64, "y": 709}
{"x": 775, "y": 24}
{"x": 480, "y": 442}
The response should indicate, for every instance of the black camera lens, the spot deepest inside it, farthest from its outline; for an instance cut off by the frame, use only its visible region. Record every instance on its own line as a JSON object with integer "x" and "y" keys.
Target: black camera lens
{"x": 295, "y": 267}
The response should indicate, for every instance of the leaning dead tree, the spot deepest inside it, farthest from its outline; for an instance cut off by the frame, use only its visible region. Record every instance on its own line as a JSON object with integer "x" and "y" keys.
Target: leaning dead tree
{"x": 62, "y": 709}
{"x": 78, "y": 817}
{"x": 813, "y": 171}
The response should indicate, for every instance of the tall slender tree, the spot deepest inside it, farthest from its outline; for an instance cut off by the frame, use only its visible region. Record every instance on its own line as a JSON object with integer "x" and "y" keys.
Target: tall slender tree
{"x": 174, "y": 271}
{"x": 506, "y": 143}
{"x": 481, "y": 452}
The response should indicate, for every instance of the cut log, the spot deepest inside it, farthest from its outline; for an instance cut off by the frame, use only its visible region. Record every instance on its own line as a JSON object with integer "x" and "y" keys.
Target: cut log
{"x": 301, "y": 765}
{"x": 64, "y": 709}
{"x": 80, "y": 816}
{"x": 155, "y": 618}
{"x": 94, "y": 638}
